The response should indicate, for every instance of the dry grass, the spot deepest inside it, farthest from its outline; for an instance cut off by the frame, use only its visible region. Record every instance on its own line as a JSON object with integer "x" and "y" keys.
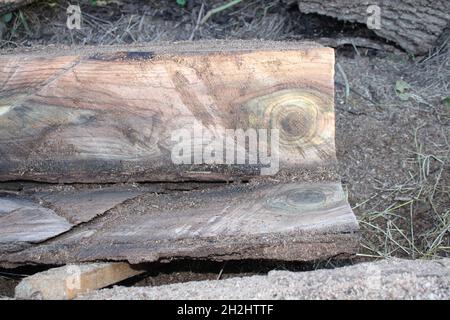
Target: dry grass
{"x": 416, "y": 221}
{"x": 424, "y": 232}
{"x": 124, "y": 22}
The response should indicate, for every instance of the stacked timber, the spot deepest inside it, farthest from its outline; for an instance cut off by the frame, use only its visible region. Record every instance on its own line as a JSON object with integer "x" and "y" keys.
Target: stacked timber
{"x": 212, "y": 150}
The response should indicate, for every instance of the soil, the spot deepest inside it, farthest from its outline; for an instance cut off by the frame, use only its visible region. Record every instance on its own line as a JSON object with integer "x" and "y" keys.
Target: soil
{"x": 392, "y": 142}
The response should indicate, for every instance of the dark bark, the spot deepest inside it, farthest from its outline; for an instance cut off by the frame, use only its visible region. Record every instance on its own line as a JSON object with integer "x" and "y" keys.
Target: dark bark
{"x": 415, "y": 25}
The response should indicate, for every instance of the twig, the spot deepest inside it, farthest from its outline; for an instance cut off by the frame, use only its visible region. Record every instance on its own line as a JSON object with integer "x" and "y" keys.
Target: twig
{"x": 221, "y": 271}
{"x": 200, "y": 13}
{"x": 356, "y": 42}
{"x": 219, "y": 9}
{"x": 344, "y": 76}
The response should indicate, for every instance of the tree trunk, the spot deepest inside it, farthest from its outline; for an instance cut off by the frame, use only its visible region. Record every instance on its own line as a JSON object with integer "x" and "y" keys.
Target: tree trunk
{"x": 415, "y": 25}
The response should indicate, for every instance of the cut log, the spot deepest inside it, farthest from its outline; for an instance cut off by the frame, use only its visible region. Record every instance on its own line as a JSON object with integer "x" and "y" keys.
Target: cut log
{"x": 287, "y": 221}
{"x": 415, "y": 25}
{"x": 66, "y": 283}
{"x": 106, "y": 116}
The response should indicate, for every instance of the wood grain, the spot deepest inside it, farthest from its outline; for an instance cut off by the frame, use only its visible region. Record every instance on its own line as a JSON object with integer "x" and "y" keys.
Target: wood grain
{"x": 22, "y": 220}
{"x": 40, "y": 212}
{"x": 414, "y": 25}
{"x": 110, "y": 116}
{"x": 104, "y": 115}
{"x": 254, "y": 221}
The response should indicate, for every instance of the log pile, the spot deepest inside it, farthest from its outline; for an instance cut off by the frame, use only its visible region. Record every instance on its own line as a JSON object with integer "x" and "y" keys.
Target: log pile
{"x": 91, "y": 116}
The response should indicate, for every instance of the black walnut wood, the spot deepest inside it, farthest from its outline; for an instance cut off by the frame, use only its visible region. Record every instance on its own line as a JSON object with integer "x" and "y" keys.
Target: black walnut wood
{"x": 288, "y": 221}
{"x": 103, "y": 115}
{"x": 111, "y": 116}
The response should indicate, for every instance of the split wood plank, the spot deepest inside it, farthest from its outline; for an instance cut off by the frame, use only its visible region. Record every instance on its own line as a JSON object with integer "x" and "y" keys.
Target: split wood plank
{"x": 67, "y": 282}
{"x": 280, "y": 221}
{"x": 79, "y": 206}
{"x": 22, "y": 220}
{"x": 109, "y": 116}
{"x": 415, "y": 25}
{"x": 59, "y": 123}
{"x": 33, "y": 216}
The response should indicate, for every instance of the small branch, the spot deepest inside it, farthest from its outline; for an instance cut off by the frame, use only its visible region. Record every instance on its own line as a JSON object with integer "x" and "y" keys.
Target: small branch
{"x": 219, "y": 9}
{"x": 200, "y": 13}
{"x": 344, "y": 76}
{"x": 356, "y": 42}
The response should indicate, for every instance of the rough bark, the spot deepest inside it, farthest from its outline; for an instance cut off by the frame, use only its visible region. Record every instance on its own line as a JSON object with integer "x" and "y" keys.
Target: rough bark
{"x": 415, "y": 25}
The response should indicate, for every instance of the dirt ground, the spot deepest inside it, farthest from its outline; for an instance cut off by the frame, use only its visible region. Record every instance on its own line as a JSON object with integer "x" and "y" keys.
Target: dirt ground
{"x": 392, "y": 111}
